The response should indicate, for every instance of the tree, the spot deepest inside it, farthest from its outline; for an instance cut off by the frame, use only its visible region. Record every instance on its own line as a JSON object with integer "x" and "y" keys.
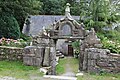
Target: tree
{"x": 9, "y": 27}
{"x": 52, "y": 7}
{"x": 84, "y": 9}
{"x": 98, "y": 14}
{"x": 20, "y": 9}
{"x": 57, "y": 7}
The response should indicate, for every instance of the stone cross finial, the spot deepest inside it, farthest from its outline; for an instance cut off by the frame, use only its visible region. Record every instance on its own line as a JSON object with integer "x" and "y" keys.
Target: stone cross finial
{"x": 67, "y": 10}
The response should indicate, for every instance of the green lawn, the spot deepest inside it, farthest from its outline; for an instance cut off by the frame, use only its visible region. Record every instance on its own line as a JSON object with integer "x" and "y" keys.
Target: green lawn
{"x": 18, "y": 70}
{"x": 60, "y": 69}
{"x": 87, "y": 76}
{"x": 106, "y": 76}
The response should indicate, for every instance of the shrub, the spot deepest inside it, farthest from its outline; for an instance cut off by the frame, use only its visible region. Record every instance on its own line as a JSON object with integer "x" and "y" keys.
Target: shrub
{"x": 76, "y": 47}
{"x": 114, "y": 47}
{"x": 109, "y": 42}
{"x": 26, "y": 38}
{"x": 112, "y": 35}
{"x": 9, "y": 27}
{"x": 13, "y": 43}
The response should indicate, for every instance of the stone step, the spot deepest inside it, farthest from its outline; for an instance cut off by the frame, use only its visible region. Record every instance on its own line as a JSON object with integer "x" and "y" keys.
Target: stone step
{"x": 62, "y": 56}
{"x": 60, "y": 77}
{"x": 45, "y": 69}
{"x": 57, "y": 59}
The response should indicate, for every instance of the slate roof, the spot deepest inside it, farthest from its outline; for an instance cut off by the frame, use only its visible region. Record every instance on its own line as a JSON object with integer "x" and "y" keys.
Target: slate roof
{"x": 37, "y": 22}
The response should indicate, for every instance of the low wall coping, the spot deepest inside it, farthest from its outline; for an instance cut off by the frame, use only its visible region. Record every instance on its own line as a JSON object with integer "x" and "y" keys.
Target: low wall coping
{"x": 114, "y": 55}
{"x": 10, "y": 47}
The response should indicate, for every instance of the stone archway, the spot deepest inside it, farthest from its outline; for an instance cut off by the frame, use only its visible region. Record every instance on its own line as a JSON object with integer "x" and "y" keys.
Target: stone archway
{"x": 43, "y": 51}
{"x": 49, "y": 37}
{"x": 66, "y": 28}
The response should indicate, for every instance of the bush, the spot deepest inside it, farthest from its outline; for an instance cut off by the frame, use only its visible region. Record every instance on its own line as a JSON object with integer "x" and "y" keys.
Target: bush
{"x": 112, "y": 35}
{"x": 114, "y": 47}
{"x": 9, "y": 27}
{"x": 109, "y": 42}
{"x": 25, "y": 38}
{"x": 13, "y": 43}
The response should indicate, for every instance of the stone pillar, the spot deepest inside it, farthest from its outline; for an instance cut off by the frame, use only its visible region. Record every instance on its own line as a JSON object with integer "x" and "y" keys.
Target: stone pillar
{"x": 85, "y": 61}
{"x": 46, "y": 61}
{"x": 53, "y": 60}
{"x": 81, "y": 55}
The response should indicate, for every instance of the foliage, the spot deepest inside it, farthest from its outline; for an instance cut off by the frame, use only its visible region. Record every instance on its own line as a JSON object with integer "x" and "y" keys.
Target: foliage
{"x": 97, "y": 14}
{"x": 52, "y": 7}
{"x": 76, "y": 46}
{"x": 63, "y": 64}
{"x": 114, "y": 47}
{"x": 60, "y": 68}
{"x": 110, "y": 41}
{"x": 13, "y": 43}
{"x": 18, "y": 70}
{"x": 74, "y": 7}
{"x": 20, "y": 8}
{"x": 115, "y": 6}
{"x": 117, "y": 28}
{"x": 112, "y": 35}
{"x": 25, "y": 38}
{"x": 9, "y": 26}
{"x": 57, "y": 7}
{"x": 106, "y": 76}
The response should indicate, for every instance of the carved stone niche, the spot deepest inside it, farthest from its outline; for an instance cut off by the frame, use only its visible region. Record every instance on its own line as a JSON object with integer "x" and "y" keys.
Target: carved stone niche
{"x": 65, "y": 30}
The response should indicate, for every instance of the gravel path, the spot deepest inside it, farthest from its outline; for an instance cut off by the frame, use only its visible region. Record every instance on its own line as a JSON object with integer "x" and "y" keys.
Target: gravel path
{"x": 68, "y": 69}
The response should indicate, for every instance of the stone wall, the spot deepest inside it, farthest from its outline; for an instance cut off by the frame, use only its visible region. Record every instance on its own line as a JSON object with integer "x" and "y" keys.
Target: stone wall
{"x": 101, "y": 60}
{"x": 40, "y": 56}
{"x": 10, "y": 53}
{"x": 33, "y": 56}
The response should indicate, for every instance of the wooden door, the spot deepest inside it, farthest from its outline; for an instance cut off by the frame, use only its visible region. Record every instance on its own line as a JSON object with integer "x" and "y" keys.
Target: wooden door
{"x": 70, "y": 50}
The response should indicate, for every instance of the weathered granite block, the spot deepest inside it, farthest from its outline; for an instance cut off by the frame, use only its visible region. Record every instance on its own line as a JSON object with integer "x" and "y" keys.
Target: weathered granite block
{"x": 46, "y": 61}
{"x": 28, "y": 60}
{"x": 38, "y": 62}
{"x": 33, "y": 55}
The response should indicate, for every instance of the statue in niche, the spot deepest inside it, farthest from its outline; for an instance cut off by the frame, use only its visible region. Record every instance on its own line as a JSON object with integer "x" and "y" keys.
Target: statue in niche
{"x": 66, "y": 30}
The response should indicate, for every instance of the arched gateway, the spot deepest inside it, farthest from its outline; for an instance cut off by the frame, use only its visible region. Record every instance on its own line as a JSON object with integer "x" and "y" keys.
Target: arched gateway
{"x": 59, "y": 36}
{"x": 64, "y": 32}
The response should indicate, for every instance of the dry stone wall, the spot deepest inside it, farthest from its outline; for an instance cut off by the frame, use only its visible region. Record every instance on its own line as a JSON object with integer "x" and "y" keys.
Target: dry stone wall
{"x": 10, "y": 53}
{"x": 101, "y": 60}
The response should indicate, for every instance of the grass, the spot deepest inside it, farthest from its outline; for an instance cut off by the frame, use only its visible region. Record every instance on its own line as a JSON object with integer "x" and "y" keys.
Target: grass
{"x": 18, "y": 70}
{"x": 60, "y": 69}
{"x": 106, "y": 76}
{"x": 87, "y": 76}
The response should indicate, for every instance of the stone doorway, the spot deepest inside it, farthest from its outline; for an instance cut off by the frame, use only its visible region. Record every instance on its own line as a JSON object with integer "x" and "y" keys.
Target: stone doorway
{"x": 65, "y": 47}
{"x": 70, "y": 50}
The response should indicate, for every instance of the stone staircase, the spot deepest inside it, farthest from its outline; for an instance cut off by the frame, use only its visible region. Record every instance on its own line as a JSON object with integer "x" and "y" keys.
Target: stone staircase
{"x": 59, "y": 54}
